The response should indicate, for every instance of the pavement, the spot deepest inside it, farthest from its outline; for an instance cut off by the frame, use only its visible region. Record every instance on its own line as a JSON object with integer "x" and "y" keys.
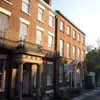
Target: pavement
{"x": 89, "y": 95}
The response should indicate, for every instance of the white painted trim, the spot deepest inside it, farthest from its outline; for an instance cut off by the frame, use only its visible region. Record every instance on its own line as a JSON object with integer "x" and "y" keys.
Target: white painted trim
{"x": 8, "y": 2}
{"x": 52, "y": 14}
{"x": 24, "y": 21}
{"x": 39, "y": 28}
{"x": 41, "y": 6}
{"x": 5, "y": 11}
{"x": 50, "y": 33}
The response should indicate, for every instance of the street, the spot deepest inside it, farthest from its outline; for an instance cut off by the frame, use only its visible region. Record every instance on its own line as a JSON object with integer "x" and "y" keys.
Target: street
{"x": 90, "y": 95}
{"x": 93, "y": 97}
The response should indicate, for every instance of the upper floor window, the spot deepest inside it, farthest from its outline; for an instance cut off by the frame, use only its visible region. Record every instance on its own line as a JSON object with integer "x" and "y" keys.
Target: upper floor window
{"x": 51, "y": 21}
{"x": 40, "y": 14}
{"x": 61, "y": 47}
{"x": 61, "y": 26}
{"x": 79, "y": 53}
{"x": 23, "y": 31}
{"x": 74, "y": 34}
{"x": 50, "y": 41}
{"x": 68, "y": 30}
{"x": 74, "y": 52}
{"x": 25, "y": 5}
{"x": 79, "y": 37}
{"x": 68, "y": 50}
{"x": 39, "y": 37}
{"x": 3, "y": 23}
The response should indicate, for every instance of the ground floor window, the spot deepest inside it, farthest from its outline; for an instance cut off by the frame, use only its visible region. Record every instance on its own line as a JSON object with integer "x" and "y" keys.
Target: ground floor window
{"x": 61, "y": 72}
{"x": 49, "y": 73}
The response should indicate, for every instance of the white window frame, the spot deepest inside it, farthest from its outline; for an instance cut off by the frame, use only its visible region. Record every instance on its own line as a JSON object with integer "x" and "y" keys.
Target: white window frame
{"x": 4, "y": 28}
{"x": 68, "y": 50}
{"x": 74, "y": 52}
{"x": 6, "y": 12}
{"x": 61, "y": 47}
{"x": 39, "y": 41}
{"x": 79, "y": 53}
{"x": 22, "y": 36}
{"x": 26, "y": 3}
{"x": 50, "y": 45}
{"x": 61, "y": 26}
{"x": 40, "y": 15}
{"x": 51, "y": 21}
{"x": 68, "y": 30}
{"x": 74, "y": 34}
{"x": 79, "y": 37}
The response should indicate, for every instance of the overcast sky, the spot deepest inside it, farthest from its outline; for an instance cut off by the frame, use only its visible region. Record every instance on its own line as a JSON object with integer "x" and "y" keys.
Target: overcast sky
{"x": 83, "y": 13}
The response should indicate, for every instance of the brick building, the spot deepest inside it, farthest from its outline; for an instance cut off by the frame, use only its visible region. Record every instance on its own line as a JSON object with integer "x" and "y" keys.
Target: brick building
{"x": 35, "y": 43}
{"x": 70, "y": 44}
{"x": 26, "y": 47}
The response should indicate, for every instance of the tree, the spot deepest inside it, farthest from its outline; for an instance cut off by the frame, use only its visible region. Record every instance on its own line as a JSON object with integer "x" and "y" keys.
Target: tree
{"x": 93, "y": 60}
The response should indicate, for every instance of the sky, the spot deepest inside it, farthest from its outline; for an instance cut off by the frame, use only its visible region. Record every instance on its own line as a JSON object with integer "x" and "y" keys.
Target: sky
{"x": 85, "y": 14}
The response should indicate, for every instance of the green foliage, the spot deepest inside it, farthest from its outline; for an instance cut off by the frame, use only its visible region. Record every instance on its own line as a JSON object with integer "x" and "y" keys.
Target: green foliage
{"x": 93, "y": 60}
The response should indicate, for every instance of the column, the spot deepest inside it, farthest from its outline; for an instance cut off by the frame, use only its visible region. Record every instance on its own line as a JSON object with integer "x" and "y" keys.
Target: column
{"x": 44, "y": 79}
{"x": 4, "y": 75}
{"x": 75, "y": 79}
{"x": 38, "y": 81}
{"x": 13, "y": 80}
{"x": 33, "y": 75}
{"x": 20, "y": 81}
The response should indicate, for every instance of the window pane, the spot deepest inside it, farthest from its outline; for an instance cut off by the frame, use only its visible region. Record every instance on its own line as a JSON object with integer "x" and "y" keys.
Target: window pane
{"x": 61, "y": 26}
{"x": 79, "y": 52}
{"x": 39, "y": 37}
{"x": 3, "y": 23}
{"x": 23, "y": 31}
{"x": 68, "y": 50}
{"x": 50, "y": 40}
{"x": 40, "y": 14}
{"x": 25, "y": 6}
{"x": 74, "y": 52}
{"x": 61, "y": 47}
{"x": 68, "y": 30}
{"x": 50, "y": 21}
{"x": 74, "y": 34}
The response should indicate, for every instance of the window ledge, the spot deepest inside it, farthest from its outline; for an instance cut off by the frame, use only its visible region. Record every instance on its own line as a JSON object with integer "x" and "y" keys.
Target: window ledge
{"x": 26, "y": 13}
{"x": 51, "y": 26}
{"x": 41, "y": 21}
{"x": 8, "y": 2}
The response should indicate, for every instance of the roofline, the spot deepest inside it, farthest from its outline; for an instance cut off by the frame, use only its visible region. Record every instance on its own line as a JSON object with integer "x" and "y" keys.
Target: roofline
{"x": 58, "y": 12}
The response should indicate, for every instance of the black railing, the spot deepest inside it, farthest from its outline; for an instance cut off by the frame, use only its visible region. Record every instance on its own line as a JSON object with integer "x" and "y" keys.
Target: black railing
{"x": 28, "y": 46}
{"x": 5, "y": 43}
{"x": 23, "y": 46}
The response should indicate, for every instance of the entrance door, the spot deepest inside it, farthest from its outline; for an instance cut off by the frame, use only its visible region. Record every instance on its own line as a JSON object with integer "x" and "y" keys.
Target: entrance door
{"x": 25, "y": 81}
